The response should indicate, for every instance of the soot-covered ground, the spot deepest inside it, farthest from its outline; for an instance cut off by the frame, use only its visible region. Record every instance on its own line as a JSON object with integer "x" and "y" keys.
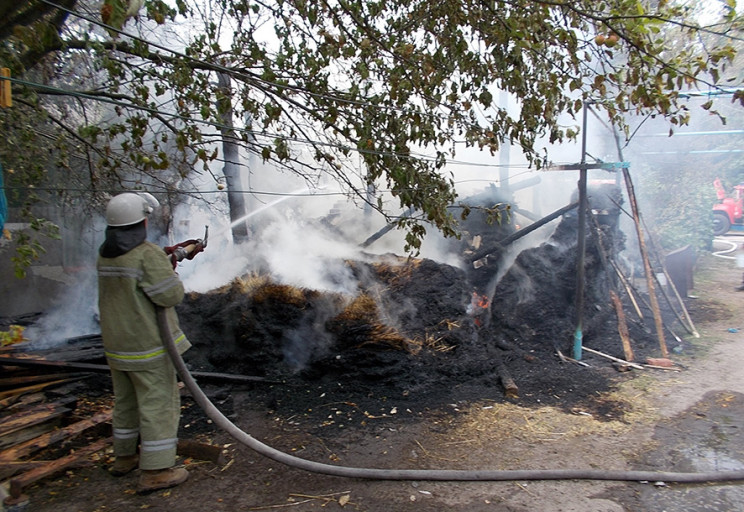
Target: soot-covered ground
{"x": 424, "y": 334}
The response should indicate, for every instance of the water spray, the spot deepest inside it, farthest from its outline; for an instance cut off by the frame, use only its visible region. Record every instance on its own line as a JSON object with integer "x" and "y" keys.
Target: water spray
{"x": 265, "y": 207}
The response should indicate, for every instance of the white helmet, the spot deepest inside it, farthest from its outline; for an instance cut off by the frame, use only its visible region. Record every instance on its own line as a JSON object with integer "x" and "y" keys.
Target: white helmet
{"x": 129, "y": 208}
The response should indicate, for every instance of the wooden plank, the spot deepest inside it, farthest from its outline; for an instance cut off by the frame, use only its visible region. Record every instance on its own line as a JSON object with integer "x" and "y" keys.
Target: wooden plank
{"x": 58, "y": 365}
{"x": 24, "y": 380}
{"x": 23, "y": 435}
{"x": 8, "y": 469}
{"x": 35, "y": 387}
{"x": 18, "y": 483}
{"x": 36, "y": 415}
{"x": 38, "y": 443}
{"x": 22, "y": 400}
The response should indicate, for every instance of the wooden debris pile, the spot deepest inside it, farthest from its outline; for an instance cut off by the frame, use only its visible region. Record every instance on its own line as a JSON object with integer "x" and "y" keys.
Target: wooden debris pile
{"x": 49, "y": 420}
{"x": 45, "y": 428}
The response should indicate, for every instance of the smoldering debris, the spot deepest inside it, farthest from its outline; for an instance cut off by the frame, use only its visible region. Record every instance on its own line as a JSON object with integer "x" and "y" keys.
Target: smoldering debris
{"x": 411, "y": 328}
{"x": 254, "y": 325}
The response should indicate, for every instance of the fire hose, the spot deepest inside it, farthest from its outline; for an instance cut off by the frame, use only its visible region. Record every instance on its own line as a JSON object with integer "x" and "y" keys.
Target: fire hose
{"x": 246, "y": 439}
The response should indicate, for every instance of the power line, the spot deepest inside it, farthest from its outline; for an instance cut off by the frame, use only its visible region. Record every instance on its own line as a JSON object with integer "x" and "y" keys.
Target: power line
{"x": 219, "y": 126}
{"x": 251, "y": 192}
{"x": 232, "y": 72}
{"x": 224, "y": 69}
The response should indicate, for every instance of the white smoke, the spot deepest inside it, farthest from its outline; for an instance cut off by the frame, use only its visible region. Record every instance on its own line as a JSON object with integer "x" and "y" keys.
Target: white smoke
{"x": 74, "y": 314}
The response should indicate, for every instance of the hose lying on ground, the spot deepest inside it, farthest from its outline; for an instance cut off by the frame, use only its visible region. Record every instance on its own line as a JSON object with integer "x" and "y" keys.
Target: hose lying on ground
{"x": 418, "y": 474}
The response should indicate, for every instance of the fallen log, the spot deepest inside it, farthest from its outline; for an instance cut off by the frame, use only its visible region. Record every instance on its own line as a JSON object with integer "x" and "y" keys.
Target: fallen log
{"x": 510, "y": 387}
{"x": 505, "y": 345}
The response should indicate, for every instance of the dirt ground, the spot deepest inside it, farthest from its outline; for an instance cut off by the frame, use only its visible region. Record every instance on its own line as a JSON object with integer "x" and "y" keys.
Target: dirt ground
{"x": 650, "y": 419}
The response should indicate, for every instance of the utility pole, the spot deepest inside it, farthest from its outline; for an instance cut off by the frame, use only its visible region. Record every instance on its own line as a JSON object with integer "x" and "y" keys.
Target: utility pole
{"x": 581, "y": 248}
{"x": 583, "y": 167}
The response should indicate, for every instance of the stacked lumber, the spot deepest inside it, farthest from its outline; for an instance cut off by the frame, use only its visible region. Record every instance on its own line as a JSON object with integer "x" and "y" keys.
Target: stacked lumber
{"x": 48, "y": 422}
{"x": 44, "y": 430}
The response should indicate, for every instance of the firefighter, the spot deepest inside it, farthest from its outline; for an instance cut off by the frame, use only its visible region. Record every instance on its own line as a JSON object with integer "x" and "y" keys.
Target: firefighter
{"x": 135, "y": 276}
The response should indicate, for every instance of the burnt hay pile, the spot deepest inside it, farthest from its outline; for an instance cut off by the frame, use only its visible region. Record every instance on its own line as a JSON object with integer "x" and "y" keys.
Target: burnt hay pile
{"x": 413, "y": 329}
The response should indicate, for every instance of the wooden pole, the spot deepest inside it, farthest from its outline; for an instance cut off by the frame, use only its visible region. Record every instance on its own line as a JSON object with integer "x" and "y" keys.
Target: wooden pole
{"x": 622, "y": 325}
{"x": 646, "y": 265}
{"x": 671, "y": 305}
{"x": 103, "y": 368}
{"x": 611, "y": 358}
{"x": 628, "y": 289}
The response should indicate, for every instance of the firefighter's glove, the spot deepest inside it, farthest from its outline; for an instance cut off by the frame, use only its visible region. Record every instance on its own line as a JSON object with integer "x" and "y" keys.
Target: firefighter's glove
{"x": 198, "y": 247}
{"x": 186, "y": 249}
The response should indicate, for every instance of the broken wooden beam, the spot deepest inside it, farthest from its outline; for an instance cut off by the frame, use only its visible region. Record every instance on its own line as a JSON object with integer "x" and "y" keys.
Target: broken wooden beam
{"x": 8, "y": 469}
{"x": 622, "y": 326}
{"x": 39, "y": 443}
{"x": 201, "y": 451}
{"x": 17, "y": 484}
{"x": 17, "y": 381}
{"x": 25, "y": 425}
{"x": 37, "y": 387}
{"x": 387, "y": 228}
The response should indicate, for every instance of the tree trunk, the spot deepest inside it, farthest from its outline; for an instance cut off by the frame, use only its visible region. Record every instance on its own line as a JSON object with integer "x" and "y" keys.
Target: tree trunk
{"x": 232, "y": 167}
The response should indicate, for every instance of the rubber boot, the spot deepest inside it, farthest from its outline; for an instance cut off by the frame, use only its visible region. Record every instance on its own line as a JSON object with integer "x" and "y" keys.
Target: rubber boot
{"x": 124, "y": 465}
{"x": 153, "y": 480}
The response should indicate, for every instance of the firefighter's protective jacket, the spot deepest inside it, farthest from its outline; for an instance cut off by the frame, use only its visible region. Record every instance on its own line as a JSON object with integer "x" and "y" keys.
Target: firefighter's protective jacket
{"x": 129, "y": 288}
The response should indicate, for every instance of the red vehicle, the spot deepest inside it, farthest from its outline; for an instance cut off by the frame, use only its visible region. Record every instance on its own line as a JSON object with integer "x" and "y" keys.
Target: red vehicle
{"x": 727, "y": 214}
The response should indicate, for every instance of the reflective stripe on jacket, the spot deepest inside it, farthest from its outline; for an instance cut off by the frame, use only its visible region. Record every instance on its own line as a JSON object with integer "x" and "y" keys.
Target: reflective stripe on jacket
{"x": 130, "y": 287}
